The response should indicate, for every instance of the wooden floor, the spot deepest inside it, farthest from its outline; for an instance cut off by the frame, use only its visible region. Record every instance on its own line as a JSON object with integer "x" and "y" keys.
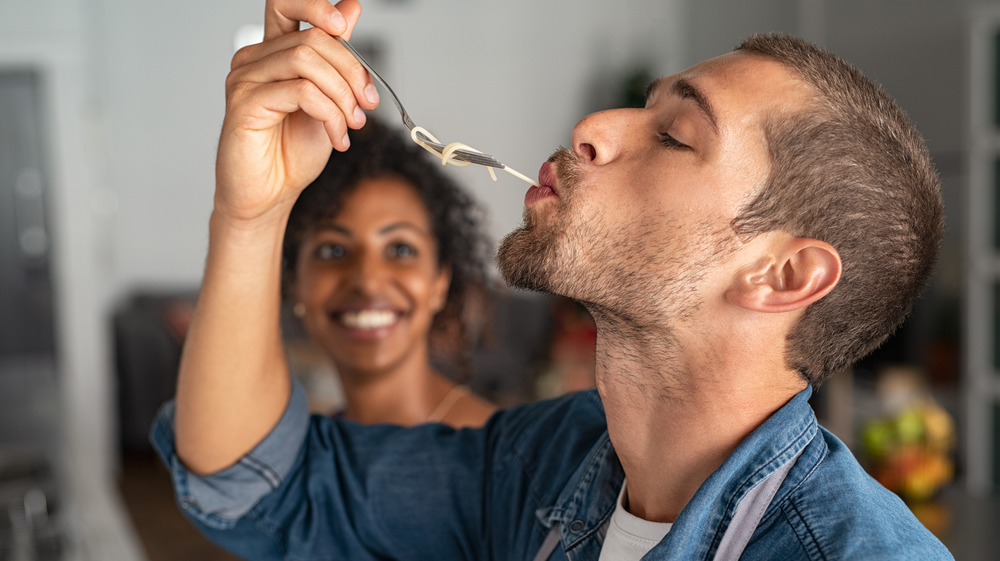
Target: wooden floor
{"x": 163, "y": 531}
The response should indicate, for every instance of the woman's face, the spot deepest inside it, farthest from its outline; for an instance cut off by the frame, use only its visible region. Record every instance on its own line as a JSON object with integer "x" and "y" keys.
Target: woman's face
{"x": 369, "y": 279}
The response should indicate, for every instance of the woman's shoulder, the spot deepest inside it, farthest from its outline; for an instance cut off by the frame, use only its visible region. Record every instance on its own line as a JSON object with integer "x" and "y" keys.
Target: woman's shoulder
{"x": 468, "y": 410}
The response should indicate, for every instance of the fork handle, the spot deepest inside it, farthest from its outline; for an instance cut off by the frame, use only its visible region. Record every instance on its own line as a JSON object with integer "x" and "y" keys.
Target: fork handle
{"x": 371, "y": 72}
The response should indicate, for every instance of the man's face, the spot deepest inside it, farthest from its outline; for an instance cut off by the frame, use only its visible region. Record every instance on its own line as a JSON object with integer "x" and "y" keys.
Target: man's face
{"x": 635, "y": 219}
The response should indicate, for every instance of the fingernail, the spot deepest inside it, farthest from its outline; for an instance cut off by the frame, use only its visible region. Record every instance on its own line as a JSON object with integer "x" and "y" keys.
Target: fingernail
{"x": 371, "y": 93}
{"x": 345, "y": 142}
{"x": 337, "y": 21}
{"x": 359, "y": 114}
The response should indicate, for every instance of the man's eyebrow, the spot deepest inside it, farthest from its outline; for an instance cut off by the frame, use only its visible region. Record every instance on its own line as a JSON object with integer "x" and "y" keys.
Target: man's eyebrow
{"x": 652, "y": 87}
{"x": 686, "y": 90}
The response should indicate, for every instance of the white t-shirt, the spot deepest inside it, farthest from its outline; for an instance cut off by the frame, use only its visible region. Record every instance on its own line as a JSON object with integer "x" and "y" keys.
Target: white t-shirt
{"x": 630, "y": 537}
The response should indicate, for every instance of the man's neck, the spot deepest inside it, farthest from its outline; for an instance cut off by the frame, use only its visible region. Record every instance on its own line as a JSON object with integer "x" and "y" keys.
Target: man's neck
{"x": 678, "y": 408}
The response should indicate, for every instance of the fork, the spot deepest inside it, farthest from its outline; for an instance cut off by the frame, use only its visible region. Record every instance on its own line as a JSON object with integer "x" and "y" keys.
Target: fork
{"x": 460, "y": 155}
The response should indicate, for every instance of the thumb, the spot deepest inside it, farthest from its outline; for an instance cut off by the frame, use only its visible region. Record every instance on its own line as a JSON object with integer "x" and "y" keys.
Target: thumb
{"x": 351, "y": 10}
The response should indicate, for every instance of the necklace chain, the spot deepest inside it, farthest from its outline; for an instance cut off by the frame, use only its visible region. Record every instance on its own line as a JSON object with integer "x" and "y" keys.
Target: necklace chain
{"x": 446, "y": 403}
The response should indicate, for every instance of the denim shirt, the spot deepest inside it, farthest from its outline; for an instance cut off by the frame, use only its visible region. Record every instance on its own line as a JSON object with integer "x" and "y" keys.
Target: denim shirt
{"x": 321, "y": 488}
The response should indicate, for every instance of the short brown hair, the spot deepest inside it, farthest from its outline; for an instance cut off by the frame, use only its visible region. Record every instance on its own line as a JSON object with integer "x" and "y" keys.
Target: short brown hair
{"x": 852, "y": 171}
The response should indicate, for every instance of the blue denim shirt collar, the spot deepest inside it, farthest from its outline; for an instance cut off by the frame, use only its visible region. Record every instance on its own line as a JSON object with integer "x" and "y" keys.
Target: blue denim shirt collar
{"x": 588, "y": 500}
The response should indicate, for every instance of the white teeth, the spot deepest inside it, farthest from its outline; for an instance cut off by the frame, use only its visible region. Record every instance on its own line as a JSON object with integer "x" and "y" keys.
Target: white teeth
{"x": 368, "y": 319}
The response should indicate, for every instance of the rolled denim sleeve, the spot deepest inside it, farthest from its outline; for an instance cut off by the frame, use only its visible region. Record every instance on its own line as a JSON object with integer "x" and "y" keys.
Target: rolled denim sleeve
{"x": 221, "y": 498}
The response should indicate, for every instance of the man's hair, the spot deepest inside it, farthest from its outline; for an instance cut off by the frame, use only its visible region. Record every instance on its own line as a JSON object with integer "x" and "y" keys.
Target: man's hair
{"x": 852, "y": 171}
{"x": 456, "y": 223}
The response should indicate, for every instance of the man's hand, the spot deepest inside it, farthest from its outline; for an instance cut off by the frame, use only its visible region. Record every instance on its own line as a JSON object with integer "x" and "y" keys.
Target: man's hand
{"x": 289, "y": 101}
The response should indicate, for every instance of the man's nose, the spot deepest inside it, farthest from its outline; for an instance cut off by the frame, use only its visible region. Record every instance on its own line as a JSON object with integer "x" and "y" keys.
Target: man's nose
{"x": 600, "y": 138}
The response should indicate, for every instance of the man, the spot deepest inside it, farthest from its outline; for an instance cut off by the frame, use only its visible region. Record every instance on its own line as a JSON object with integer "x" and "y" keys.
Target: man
{"x": 766, "y": 219}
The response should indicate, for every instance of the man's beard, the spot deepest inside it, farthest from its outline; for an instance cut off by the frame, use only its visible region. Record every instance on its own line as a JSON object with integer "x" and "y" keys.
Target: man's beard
{"x": 525, "y": 257}
{"x": 528, "y": 256}
{"x": 570, "y": 250}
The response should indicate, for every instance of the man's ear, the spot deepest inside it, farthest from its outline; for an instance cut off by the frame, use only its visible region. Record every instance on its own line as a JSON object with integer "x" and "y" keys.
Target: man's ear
{"x": 798, "y": 272}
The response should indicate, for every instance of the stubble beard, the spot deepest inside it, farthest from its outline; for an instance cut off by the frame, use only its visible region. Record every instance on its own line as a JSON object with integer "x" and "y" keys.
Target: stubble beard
{"x": 523, "y": 257}
{"x": 531, "y": 257}
{"x": 642, "y": 278}
{"x": 577, "y": 253}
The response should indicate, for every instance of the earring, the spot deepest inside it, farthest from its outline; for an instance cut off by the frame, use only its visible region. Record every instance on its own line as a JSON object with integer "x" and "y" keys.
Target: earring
{"x": 299, "y": 309}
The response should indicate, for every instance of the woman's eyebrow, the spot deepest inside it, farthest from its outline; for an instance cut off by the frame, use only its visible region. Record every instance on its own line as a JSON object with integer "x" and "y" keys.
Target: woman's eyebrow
{"x": 395, "y": 226}
{"x": 332, "y": 228}
{"x": 388, "y": 229}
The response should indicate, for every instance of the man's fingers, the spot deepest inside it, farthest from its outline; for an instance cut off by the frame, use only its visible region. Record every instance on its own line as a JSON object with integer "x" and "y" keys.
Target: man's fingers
{"x": 283, "y": 16}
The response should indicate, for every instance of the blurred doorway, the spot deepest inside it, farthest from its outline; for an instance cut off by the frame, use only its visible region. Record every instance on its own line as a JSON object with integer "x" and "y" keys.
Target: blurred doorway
{"x": 30, "y": 526}
{"x": 27, "y": 340}
{"x": 26, "y": 327}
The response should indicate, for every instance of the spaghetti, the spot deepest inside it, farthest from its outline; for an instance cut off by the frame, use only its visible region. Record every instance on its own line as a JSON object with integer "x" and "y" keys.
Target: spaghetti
{"x": 447, "y": 155}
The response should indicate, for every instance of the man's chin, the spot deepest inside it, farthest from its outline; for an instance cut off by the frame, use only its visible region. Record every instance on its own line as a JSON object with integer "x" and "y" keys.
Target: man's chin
{"x": 521, "y": 259}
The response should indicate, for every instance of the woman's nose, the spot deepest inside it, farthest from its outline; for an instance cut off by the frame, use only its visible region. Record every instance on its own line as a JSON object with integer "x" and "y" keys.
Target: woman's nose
{"x": 367, "y": 273}
{"x": 600, "y": 138}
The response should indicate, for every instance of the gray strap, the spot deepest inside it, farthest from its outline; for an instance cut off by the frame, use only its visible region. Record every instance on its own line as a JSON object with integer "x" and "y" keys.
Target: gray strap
{"x": 549, "y": 545}
{"x": 749, "y": 512}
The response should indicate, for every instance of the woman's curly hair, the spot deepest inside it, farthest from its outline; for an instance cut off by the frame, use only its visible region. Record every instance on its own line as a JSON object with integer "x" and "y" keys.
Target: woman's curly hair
{"x": 456, "y": 221}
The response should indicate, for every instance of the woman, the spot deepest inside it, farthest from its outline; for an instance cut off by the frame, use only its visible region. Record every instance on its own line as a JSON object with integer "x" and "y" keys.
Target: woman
{"x": 384, "y": 265}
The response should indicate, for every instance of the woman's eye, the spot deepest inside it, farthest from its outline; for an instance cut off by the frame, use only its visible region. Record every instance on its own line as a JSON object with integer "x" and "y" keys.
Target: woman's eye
{"x": 330, "y": 251}
{"x": 401, "y": 251}
{"x": 669, "y": 141}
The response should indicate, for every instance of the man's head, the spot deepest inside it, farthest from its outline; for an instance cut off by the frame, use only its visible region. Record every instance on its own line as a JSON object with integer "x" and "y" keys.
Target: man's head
{"x": 853, "y": 172}
{"x": 655, "y": 210}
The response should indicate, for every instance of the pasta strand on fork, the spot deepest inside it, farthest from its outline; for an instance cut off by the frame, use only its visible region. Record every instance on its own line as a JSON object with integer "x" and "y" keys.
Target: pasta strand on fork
{"x": 447, "y": 155}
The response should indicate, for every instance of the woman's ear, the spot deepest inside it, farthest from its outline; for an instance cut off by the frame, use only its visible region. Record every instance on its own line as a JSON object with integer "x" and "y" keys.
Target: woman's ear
{"x": 798, "y": 272}
{"x": 290, "y": 293}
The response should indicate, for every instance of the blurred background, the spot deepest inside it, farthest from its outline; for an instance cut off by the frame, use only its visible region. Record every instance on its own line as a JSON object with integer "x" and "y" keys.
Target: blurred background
{"x": 109, "y": 117}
